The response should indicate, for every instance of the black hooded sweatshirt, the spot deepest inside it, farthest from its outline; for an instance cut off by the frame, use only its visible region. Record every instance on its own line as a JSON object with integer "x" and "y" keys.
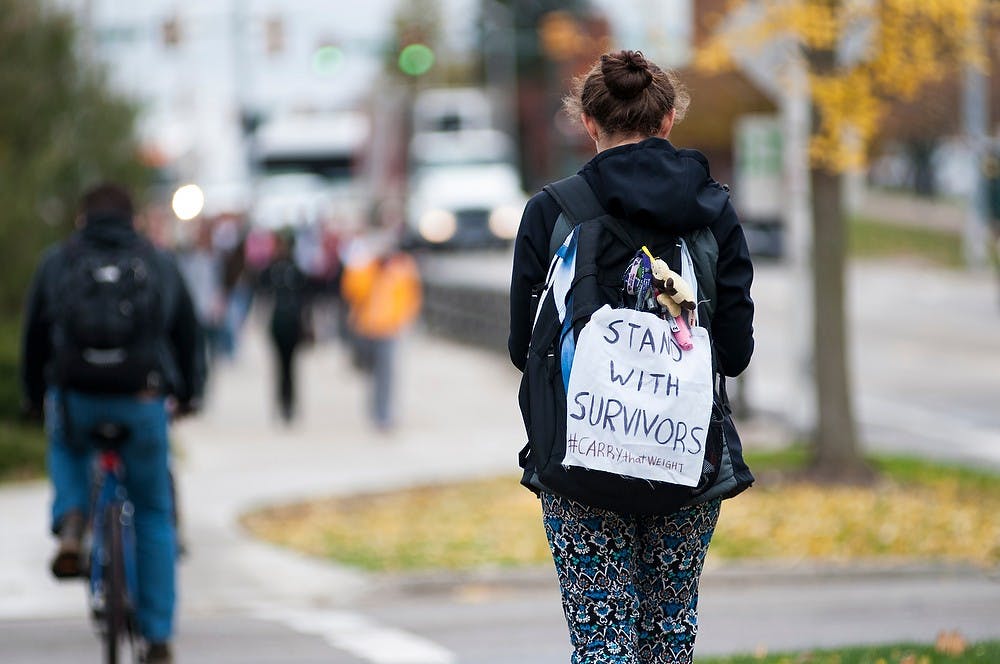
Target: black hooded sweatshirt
{"x": 182, "y": 357}
{"x": 658, "y": 191}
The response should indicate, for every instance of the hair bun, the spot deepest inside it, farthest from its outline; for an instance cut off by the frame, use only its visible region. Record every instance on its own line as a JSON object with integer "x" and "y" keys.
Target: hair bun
{"x": 626, "y": 74}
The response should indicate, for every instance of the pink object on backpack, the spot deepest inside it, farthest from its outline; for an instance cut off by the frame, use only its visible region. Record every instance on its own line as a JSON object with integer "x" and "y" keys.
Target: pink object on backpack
{"x": 682, "y": 333}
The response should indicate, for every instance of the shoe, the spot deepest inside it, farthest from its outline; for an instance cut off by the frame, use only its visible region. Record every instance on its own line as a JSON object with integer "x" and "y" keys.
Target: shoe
{"x": 157, "y": 653}
{"x": 67, "y": 563}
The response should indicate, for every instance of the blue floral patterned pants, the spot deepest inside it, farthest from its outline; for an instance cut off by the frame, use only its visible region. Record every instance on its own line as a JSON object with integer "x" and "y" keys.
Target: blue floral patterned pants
{"x": 629, "y": 582}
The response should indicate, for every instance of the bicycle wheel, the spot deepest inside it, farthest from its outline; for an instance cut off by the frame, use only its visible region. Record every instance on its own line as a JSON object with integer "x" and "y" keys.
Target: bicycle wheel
{"x": 116, "y": 603}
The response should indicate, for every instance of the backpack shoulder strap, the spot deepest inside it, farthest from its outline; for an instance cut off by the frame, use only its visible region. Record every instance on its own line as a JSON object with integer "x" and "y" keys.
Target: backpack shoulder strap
{"x": 579, "y": 203}
{"x": 576, "y": 199}
{"x": 560, "y": 232}
{"x": 704, "y": 251}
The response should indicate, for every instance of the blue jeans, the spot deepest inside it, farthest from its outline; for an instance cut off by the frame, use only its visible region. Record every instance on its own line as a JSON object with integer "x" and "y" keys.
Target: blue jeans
{"x": 383, "y": 375}
{"x": 69, "y": 416}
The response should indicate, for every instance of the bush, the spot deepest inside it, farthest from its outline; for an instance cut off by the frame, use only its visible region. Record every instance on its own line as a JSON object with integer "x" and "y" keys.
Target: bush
{"x": 10, "y": 385}
{"x": 22, "y": 445}
{"x": 22, "y": 451}
{"x": 66, "y": 131}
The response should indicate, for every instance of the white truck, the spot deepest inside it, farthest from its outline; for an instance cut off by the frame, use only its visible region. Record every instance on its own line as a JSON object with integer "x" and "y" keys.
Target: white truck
{"x": 307, "y": 169}
{"x": 463, "y": 188}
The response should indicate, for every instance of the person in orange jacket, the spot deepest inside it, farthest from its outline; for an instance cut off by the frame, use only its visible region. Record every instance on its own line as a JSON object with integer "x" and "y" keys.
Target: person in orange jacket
{"x": 383, "y": 294}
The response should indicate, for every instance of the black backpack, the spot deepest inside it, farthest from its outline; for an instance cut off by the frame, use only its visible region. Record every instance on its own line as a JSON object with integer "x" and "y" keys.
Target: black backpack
{"x": 603, "y": 249}
{"x": 109, "y": 318}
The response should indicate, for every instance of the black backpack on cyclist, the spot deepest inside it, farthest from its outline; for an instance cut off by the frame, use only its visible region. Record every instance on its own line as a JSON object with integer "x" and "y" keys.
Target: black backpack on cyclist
{"x": 109, "y": 318}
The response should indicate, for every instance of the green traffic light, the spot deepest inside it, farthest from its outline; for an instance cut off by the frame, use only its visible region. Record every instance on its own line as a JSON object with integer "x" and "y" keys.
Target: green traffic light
{"x": 326, "y": 60}
{"x": 416, "y": 59}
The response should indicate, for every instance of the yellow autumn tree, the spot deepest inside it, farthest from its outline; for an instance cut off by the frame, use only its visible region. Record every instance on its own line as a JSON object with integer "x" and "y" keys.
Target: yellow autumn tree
{"x": 858, "y": 56}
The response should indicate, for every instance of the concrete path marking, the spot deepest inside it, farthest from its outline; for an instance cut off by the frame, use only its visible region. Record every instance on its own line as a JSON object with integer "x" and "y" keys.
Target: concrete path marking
{"x": 360, "y": 636}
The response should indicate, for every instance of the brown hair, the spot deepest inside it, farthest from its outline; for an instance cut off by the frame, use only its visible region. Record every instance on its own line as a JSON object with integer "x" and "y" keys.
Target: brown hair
{"x": 107, "y": 198}
{"x": 627, "y": 94}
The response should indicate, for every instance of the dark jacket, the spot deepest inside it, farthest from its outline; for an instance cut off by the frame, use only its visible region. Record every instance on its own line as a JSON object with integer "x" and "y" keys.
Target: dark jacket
{"x": 659, "y": 192}
{"x": 182, "y": 353}
{"x": 289, "y": 289}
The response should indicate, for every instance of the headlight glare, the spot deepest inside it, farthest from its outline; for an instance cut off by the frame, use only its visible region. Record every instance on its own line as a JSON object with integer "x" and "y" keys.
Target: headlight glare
{"x": 437, "y": 226}
{"x": 504, "y": 221}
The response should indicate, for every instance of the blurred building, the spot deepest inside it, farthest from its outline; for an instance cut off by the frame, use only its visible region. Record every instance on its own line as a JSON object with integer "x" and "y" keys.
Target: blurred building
{"x": 205, "y": 72}
{"x": 208, "y": 72}
{"x": 661, "y": 29}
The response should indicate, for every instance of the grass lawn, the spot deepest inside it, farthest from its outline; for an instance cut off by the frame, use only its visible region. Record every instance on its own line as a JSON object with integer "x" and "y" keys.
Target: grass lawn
{"x": 918, "y": 512}
{"x": 950, "y": 649}
{"x": 871, "y": 238}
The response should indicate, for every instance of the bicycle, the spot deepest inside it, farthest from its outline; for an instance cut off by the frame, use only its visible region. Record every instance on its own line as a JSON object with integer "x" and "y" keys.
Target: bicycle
{"x": 113, "y": 577}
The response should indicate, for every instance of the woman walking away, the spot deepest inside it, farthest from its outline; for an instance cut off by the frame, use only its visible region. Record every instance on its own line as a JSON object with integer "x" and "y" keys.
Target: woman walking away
{"x": 629, "y": 560}
{"x": 290, "y": 317}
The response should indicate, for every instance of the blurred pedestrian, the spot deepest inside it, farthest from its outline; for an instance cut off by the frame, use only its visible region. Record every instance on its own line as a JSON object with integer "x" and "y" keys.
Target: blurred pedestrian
{"x": 383, "y": 295}
{"x": 286, "y": 285}
{"x": 992, "y": 172}
{"x": 229, "y": 240}
{"x": 258, "y": 250}
{"x": 629, "y": 581}
{"x": 330, "y": 324}
{"x": 201, "y": 266}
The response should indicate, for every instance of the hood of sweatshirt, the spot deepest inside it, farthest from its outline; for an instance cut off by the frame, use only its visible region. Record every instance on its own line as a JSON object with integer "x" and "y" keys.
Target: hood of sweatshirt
{"x": 653, "y": 184}
{"x": 108, "y": 229}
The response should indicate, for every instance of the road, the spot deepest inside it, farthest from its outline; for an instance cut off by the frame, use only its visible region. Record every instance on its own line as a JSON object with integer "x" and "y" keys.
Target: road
{"x": 924, "y": 358}
{"x": 500, "y": 623}
{"x": 924, "y": 384}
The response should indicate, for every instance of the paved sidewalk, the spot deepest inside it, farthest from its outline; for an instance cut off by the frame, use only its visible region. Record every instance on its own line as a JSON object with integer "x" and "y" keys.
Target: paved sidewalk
{"x": 458, "y": 418}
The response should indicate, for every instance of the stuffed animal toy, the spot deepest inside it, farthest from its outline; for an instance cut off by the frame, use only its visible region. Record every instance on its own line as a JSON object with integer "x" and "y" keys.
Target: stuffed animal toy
{"x": 675, "y": 293}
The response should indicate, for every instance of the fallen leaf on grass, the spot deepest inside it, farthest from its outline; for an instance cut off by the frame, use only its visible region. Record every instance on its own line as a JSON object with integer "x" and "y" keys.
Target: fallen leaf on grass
{"x": 951, "y": 643}
{"x": 496, "y": 522}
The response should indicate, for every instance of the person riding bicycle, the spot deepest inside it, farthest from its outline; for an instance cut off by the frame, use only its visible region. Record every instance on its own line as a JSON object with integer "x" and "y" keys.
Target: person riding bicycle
{"x": 111, "y": 337}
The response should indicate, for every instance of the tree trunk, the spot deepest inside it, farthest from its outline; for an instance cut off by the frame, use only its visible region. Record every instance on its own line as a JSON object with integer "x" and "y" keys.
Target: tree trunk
{"x": 836, "y": 455}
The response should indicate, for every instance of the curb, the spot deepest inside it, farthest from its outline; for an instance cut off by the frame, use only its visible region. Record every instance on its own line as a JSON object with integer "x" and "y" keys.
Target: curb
{"x": 716, "y": 573}
{"x": 800, "y": 571}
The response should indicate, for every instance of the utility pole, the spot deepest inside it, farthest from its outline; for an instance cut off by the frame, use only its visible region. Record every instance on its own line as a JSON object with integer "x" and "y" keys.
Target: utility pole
{"x": 796, "y": 118}
{"x": 500, "y": 60}
{"x": 242, "y": 101}
{"x": 975, "y": 107}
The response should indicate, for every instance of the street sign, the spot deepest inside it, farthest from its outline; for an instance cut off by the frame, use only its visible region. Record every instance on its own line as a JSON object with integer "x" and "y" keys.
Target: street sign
{"x": 759, "y": 178}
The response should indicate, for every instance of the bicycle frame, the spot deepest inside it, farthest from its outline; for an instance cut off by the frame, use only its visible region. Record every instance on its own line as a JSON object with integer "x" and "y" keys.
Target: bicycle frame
{"x": 111, "y": 501}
